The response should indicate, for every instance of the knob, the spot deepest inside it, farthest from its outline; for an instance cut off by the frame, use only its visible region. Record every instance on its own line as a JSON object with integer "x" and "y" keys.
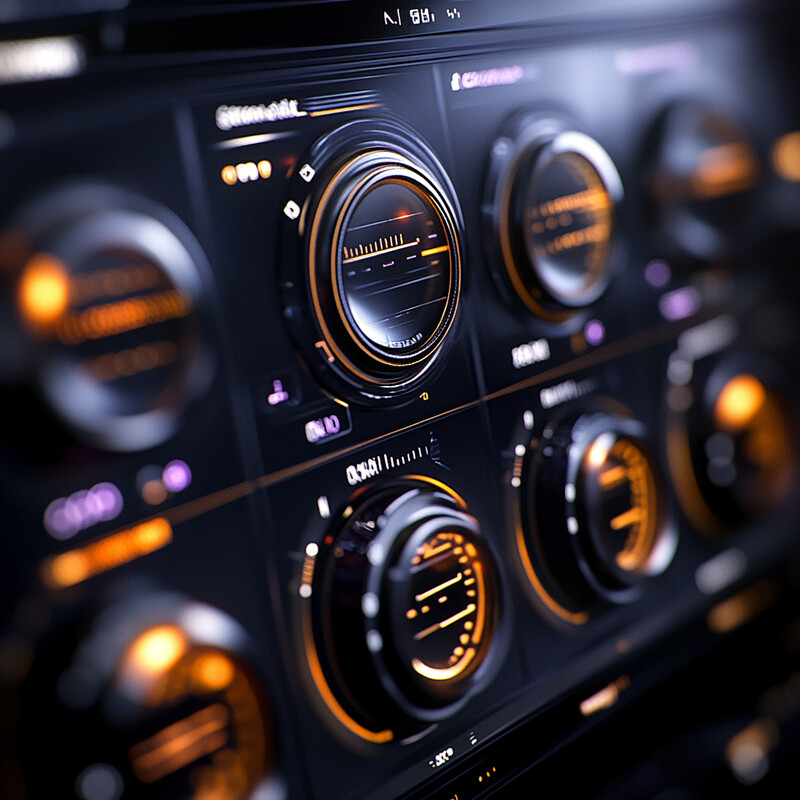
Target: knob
{"x": 155, "y": 700}
{"x": 702, "y": 179}
{"x": 553, "y": 195}
{"x": 405, "y": 606}
{"x": 594, "y": 522}
{"x": 732, "y": 441}
{"x": 108, "y": 311}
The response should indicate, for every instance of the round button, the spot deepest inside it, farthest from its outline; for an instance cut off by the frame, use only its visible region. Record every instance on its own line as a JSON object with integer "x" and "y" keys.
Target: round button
{"x": 404, "y": 608}
{"x": 555, "y": 194}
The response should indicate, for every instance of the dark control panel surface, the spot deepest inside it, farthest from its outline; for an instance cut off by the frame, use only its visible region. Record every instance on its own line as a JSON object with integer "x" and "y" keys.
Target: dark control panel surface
{"x": 403, "y": 413}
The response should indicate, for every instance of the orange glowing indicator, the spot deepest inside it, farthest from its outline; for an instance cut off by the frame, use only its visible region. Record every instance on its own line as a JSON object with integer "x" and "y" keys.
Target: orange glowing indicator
{"x": 156, "y": 651}
{"x": 786, "y": 157}
{"x": 739, "y": 402}
{"x": 43, "y": 291}
{"x": 76, "y": 566}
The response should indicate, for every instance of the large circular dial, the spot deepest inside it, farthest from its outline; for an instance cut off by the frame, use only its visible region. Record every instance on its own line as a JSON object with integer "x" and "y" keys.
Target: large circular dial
{"x": 593, "y": 521}
{"x": 107, "y": 293}
{"x": 383, "y": 269}
{"x": 555, "y": 194}
{"x": 158, "y": 701}
{"x": 402, "y": 612}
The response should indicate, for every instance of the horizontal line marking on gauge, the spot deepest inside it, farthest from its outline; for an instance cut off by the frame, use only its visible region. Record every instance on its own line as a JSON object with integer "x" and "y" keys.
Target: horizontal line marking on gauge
{"x": 406, "y": 311}
{"x": 443, "y": 249}
{"x": 383, "y": 221}
{"x": 402, "y": 285}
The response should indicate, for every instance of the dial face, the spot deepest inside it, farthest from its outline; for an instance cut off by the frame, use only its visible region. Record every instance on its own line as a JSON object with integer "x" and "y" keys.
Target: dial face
{"x": 622, "y": 503}
{"x": 396, "y": 269}
{"x": 556, "y": 197}
{"x": 110, "y": 298}
{"x": 442, "y": 630}
{"x": 567, "y": 222}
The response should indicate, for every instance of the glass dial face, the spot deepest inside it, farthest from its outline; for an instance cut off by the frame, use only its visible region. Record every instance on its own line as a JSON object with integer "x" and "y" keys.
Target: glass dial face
{"x": 396, "y": 259}
{"x": 624, "y": 512}
{"x": 567, "y": 221}
{"x": 444, "y": 624}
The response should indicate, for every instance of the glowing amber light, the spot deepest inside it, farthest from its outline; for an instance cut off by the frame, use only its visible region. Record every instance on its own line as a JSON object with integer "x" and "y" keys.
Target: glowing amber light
{"x": 786, "y": 157}
{"x": 157, "y": 650}
{"x": 76, "y": 566}
{"x": 213, "y": 672}
{"x": 739, "y": 402}
{"x": 43, "y": 293}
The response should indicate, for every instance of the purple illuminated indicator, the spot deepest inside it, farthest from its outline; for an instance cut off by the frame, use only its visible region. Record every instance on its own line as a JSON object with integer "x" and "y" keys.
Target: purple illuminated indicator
{"x": 176, "y": 476}
{"x": 680, "y": 304}
{"x": 67, "y": 516}
{"x": 657, "y": 274}
{"x": 594, "y": 332}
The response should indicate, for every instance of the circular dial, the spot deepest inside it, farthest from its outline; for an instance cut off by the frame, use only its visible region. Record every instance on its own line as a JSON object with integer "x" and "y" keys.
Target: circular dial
{"x": 733, "y": 449}
{"x": 395, "y": 271}
{"x": 555, "y": 216}
{"x": 593, "y": 513}
{"x": 405, "y": 606}
{"x": 702, "y": 180}
{"x": 108, "y": 293}
{"x": 384, "y": 263}
{"x": 165, "y": 704}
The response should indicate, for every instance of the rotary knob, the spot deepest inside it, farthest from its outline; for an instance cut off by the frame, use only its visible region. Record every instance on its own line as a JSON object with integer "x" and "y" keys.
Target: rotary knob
{"x": 594, "y": 523}
{"x": 157, "y": 700}
{"x": 404, "y": 610}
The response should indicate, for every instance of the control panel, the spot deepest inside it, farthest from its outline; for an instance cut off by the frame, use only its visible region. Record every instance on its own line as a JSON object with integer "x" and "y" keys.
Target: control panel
{"x": 382, "y": 419}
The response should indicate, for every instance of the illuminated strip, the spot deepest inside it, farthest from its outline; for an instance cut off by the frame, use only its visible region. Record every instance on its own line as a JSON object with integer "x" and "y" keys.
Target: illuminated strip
{"x": 343, "y": 109}
{"x": 110, "y": 319}
{"x": 181, "y": 744}
{"x": 49, "y": 57}
{"x": 605, "y": 698}
{"x": 445, "y": 623}
{"x": 425, "y": 595}
{"x": 244, "y": 141}
{"x": 76, "y": 566}
{"x": 445, "y": 248}
{"x": 630, "y": 517}
{"x": 612, "y": 477}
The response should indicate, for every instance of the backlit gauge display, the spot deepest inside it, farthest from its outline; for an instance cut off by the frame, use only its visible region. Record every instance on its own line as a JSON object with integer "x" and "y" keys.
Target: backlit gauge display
{"x": 406, "y": 606}
{"x": 165, "y": 710}
{"x": 621, "y": 502}
{"x": 109, "y": 295}
{"x": 442, "y": 630}
{"x": 556, "y": 220}
{"x": 396, "y": 270}
{"x": 733, "y": 452}
{"x": 385, "y": 270}
{"x": 594, "y": 520}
